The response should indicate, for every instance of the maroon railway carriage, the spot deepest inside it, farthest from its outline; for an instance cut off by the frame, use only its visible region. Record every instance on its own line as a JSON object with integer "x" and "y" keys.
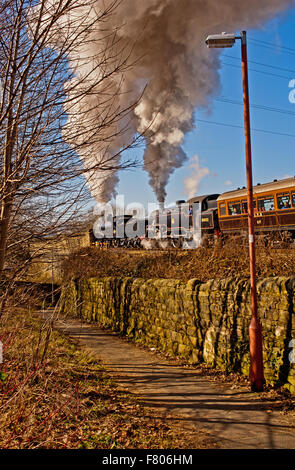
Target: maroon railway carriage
{"x": 274, "y": 208}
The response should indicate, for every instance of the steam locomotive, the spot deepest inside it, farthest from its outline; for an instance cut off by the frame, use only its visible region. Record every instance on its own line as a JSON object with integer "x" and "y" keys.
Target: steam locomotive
{"x": 216, "y": 215}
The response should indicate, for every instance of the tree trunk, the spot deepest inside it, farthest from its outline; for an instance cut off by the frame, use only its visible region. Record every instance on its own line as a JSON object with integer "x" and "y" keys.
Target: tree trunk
{"x": 5, "y": 217}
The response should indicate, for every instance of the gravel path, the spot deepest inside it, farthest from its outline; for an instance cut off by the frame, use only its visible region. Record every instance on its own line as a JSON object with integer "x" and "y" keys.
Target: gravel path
{"x": 236, "y": 418}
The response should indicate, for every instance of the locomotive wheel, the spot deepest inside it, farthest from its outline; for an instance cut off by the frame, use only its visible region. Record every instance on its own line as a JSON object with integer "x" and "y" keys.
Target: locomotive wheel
{"x": 154, "y": 244}
{"x": 176, "y": 243}
{"x": 180, "y": 242}
{"x": 137, "y": 243}
{"x": 164, "y": 244}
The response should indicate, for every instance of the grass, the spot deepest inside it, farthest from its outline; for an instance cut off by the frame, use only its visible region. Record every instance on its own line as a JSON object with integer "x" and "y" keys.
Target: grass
{"x": 53, "y": 395}
{"x": 231, "y": 260}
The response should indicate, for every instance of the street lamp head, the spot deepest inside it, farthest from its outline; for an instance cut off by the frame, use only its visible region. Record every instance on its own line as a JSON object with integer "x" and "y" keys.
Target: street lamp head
{"x": 221, "y": 40}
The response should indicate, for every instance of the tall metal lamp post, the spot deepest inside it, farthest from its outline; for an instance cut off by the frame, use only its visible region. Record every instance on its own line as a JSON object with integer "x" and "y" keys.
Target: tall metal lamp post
{"x": 224, "y": 40}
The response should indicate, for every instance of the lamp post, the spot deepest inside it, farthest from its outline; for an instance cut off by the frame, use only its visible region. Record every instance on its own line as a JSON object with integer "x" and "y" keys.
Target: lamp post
{"x": 224, "y": 40}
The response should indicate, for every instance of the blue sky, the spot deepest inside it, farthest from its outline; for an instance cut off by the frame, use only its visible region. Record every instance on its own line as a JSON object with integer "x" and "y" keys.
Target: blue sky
{"x": 222, "y": 149}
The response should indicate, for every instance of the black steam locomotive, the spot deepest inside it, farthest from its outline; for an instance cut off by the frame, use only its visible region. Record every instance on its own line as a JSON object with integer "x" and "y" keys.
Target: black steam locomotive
{"x": 164, "y": 228}
{"x": 214, "y": 214}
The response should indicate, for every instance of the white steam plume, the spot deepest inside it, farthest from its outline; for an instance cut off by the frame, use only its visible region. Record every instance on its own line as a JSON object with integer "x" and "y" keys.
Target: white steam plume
{"x": 171, "y": 58}
{"x": 191, "y": 183}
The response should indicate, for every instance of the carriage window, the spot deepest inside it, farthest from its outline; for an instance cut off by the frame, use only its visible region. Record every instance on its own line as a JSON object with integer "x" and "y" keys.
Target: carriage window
{"x": 284, "y": 201}
{"x": 222, "y": 208}
{"x": 266, "y": 204}
{"x": 245, "y": 206}
{"x": 234, "y": 209}
{"x": 293, "y": 199}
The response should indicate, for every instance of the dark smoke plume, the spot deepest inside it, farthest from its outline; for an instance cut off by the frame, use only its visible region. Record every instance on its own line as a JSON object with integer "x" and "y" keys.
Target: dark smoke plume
{"x": 171, "y": 60}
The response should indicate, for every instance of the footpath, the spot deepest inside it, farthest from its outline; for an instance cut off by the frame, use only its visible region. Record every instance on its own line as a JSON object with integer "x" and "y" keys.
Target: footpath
{"x": 235, "y": 417}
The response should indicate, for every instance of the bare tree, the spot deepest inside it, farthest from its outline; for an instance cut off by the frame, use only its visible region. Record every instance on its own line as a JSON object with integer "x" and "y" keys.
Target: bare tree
{"x": 59, "y": 114}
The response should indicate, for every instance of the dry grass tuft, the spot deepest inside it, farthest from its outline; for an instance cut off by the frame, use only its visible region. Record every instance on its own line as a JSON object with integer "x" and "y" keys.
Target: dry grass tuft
{"x": 231, "y": 260}
{"x": 53, "y": 395}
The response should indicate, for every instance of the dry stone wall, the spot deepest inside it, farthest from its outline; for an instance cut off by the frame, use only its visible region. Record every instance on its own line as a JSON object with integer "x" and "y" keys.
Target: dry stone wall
{"x": 197, "y": 321}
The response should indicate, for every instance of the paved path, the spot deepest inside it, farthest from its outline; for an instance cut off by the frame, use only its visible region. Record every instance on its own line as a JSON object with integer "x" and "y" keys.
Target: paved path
{"x": 236, "y": 418}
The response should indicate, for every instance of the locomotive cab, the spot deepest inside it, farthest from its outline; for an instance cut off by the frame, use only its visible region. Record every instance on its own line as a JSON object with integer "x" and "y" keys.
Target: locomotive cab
{"x": 209, "y": 212}
{"x": 179, "y": 221}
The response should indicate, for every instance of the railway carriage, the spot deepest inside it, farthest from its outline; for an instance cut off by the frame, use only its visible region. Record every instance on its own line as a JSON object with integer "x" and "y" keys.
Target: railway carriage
{"x": 274, "y": 209}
